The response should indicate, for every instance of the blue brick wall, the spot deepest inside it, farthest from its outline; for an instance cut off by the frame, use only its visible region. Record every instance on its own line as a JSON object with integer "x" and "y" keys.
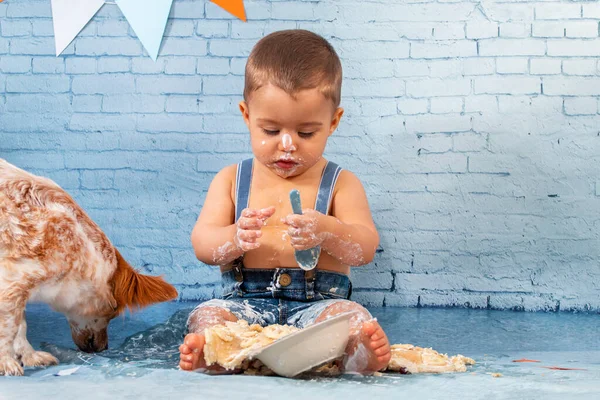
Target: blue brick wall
{"x": 473, "y": 125}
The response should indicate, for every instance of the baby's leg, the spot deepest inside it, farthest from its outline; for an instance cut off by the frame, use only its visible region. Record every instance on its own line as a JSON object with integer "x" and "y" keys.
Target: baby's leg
{"x": 368, "y": 348}
{"x": 191, "y": 355}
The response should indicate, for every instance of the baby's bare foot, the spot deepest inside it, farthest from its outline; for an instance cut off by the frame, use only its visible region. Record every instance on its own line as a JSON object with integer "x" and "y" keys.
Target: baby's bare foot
{"x": 191, "y": 356}
{"x": 377, "y": 345}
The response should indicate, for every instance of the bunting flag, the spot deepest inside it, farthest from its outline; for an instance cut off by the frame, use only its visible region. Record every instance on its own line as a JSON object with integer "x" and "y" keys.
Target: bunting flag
{"x": 234, "y": 7}
{"x": 69, "y": 18}
{"x": 148, "y": 19}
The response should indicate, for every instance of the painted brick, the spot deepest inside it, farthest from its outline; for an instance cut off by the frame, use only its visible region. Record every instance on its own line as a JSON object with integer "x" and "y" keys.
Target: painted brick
{"x": 445, "y": 68}
{"x": 230, "y": 48}
{"x": 223, "y": 85}
{"x": 182, "y": 104}
{"x": 133, "y": 103}
{"x": 179, "y": 28}
{"x": 97, "y": 179}
{"x": 373, "y": 50}
{"x": 557, "y": 11}
{"x": 111, "y": 27}
{"x": 15, "y": 64}
{"x": 80, "y": 65}
{"x": 481, "y": 103}
{"x": 469, "y": 141}
{"x": 582, "y": 29}
{"x": 514, "y": 30}
{"x": 411, "y": 68}
{"x": 213, "y": 66}
{"x": 113, "y": 64}
{"x": 579, "y": 67}
{"x": 442, "y": 49}
{"x": 571, "y": 86}
{"x": 87, "y": 103}
{"x": 108, "y": 46}
{"x": 183, "y": 47}
{"x": 42, "y": 27}
{"x": 412, "y": 106}
{"x": 37, "y": 84}
{"x": 38, "y": 103}
{"x": 481, "y": 30}
{"x": 581, "y": 105}
{"x": 213, "y": 29}
{"x": 382, "y": 87}
{"x": 590, "y": 48}
{"x": 102, "y": 84}
{"x": 293, "y": 10}
{"x": 591, "y": 10}
{"x": 30, "y": 9}
{"x": 371, "y": 69}
{"x": 544, "y": 66}
{"x": 509, "y": 12}
{"x": 167, "y": 84}
{"x": 435, "y": 123}
{"x": 34, "y": 46}
{"x": 177, "y": 66}
{"x": 446, "y": 105}
{"x": 101, "y": 122}
{"x": 438, "y": 87}
{"x": 506, "y": 85}
{"x": 479, "y": 66}
{"x": 170, "y": 123}
{"x": 48, "y": 65}
{"x": 145, "y": 65}
{"x": 18, "y": 27}
{"x": 450, "y": 31}
{"x": 512, "y": 47}
{"x": 548, "y": 29}
{"x": 512, "y": 65}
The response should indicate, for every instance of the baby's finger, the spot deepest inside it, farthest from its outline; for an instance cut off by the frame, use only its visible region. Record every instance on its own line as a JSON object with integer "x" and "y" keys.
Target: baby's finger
{"x": 247, "y": 246}
{"x": 250, "y": 223}
{"x": 292, "y": 220}
{"x": 267, "y": 212}
{"x": 299, "y": 241}
{"x": 295, "y": 232}
{"x": 249, "y": 212}
{"x": 249, "y": 235}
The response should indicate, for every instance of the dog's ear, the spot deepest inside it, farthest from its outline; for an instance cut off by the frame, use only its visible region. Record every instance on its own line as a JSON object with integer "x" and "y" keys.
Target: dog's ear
{"x": 134, "y": 290}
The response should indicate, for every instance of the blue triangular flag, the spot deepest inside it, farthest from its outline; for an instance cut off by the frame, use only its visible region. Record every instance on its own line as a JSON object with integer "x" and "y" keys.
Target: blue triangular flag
{"x": 148, "y": 19}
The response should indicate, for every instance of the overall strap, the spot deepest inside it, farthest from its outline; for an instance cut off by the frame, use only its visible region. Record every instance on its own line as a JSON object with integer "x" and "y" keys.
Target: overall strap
{"x": 243, "y": 180}
{"x": 328, "y": 180}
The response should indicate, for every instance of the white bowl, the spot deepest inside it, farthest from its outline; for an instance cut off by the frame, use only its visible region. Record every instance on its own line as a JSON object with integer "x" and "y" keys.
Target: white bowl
{"x": 307, "y": 348}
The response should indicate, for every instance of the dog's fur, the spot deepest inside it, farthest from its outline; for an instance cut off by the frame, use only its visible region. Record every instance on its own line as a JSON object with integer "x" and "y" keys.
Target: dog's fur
{"x": 51, "y": 251}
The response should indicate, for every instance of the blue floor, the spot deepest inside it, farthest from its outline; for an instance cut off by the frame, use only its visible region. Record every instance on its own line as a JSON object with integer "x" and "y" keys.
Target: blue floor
{"x": 141, "y": 361}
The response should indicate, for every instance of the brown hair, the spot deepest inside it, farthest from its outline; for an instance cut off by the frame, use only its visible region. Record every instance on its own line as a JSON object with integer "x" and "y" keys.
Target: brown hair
{"x": 293, "y": 60}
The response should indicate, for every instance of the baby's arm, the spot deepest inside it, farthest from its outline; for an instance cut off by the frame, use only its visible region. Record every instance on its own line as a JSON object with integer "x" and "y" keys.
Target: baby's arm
{"x": 349, "y": 233}
{"x": 216, "y": 239}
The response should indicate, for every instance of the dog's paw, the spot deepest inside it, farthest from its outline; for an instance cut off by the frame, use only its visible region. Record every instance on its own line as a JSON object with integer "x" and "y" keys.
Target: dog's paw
{"x": 10, "y": 366}
{"x": 38, "y": 359}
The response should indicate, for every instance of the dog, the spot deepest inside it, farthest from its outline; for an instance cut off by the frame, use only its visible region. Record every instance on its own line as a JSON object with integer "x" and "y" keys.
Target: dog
{"x": 52, "y": 252}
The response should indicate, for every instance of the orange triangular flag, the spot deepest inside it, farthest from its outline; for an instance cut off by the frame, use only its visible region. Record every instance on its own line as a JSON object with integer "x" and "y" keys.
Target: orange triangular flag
{"x": 235, "y": 7}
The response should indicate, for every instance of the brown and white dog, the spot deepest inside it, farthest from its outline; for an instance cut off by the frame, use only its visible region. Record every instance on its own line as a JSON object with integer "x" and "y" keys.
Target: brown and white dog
{"x": 52, "y": 252}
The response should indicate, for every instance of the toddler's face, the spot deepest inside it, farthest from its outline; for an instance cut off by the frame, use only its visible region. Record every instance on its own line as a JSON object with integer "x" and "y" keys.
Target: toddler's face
{"x": 288, "y": 134}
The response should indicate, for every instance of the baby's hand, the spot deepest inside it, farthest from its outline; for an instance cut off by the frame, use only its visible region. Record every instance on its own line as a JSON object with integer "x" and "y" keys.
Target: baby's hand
{"x": 304, "y": 229}
{"x": 249, "y": 227}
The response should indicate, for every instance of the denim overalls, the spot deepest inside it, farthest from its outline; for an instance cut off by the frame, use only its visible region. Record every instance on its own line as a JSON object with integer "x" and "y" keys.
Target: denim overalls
{"x": 281, "y": 295}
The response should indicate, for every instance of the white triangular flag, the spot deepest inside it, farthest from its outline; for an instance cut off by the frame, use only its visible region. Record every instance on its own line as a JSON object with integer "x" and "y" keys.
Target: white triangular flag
{"x": 70, "y": 17}
{"x": 148, "y": 19}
